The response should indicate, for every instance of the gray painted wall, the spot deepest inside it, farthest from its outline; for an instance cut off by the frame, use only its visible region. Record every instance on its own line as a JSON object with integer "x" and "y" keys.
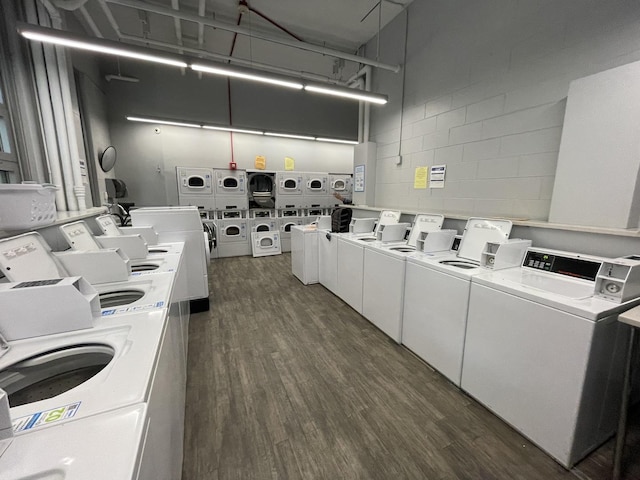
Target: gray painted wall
{"x": 485, "y": 93}
{"x": 147, "y": 160}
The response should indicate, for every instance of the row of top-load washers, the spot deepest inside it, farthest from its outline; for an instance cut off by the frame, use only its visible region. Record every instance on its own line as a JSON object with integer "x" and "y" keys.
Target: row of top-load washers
{"x": 258, "y": 232}
{"x": 224, "y": 189}
{"x": 93, "y": 367}
{"x": 531, "y": 333}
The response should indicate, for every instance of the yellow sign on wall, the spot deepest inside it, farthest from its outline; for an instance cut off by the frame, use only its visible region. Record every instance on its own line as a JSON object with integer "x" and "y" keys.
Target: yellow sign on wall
{"x": 289, "y": 163}
{"x": 420, "y": 178}
{"x": 261, "y": 162}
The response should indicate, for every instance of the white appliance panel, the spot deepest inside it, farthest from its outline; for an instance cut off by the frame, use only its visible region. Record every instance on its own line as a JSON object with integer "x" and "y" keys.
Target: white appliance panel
{"x": 350, "y": 272}
{"x": 328, "y": 260}
{"x": 434, "y": 322}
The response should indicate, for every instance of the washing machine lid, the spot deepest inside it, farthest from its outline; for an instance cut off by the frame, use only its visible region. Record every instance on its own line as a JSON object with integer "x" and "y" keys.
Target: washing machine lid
{"x": 28, "y": 257}
{"x": 424, "y": 223}
{"x": 478, "y": 232}
{"x": 79, "y": 236}
{"x": 119, "y": 434}
{"x": 107, "y": 225}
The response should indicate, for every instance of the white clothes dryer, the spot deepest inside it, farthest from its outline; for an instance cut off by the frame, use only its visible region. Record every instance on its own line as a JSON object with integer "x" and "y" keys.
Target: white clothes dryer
{"x": 262, "y": 220}
{"x": 230, "y": 188}
{"x": 286, "y": 220}
{"x": 545, "y": 354}
{"x": 195, "y": 187}
{"x": 316, "y": 191}
{"x": 289, "y": 190}
{"x": 234, "y": 237}
{"x": 341, "y": 184}
{"x": 265, "y": 243}
{"x": 436, "y": 297}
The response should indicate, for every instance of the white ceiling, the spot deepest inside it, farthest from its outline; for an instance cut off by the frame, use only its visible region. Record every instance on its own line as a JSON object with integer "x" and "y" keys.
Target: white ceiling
{"x": 342, "y": 25}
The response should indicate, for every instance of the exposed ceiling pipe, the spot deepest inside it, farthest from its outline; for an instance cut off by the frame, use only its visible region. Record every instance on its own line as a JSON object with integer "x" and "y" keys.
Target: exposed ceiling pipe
{"x": 176, "y": 21}
{"x": 275, "y": 24}
{"x": 243, "y": 31}
{"x": 239, "y": 61}
{"x": 110, "y": 18}
{"x": 92, "y": 25}
{"x": 70, "y": 5}
{"x": 64, "y": 117}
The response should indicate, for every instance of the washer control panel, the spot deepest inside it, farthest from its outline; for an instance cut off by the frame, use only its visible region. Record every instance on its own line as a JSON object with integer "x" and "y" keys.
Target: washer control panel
{"x": 562, "y": 265}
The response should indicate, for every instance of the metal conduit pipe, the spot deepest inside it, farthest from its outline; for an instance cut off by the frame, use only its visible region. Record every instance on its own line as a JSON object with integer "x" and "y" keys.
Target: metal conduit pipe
{"x": 364, "y": 112}
{"x": 110, "y": 18}
{"x": 63, "y": 113}
{"x": 92, "y": 25}
{"x": 244, "y": 31}
{"x": 239, "y": 61}
{"x": 70, "y": 5}
{"x": 48, "y": 125}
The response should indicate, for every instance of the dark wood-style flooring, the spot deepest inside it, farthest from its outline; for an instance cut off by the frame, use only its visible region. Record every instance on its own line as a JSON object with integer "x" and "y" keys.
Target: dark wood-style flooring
{"x": 286, "y": 381}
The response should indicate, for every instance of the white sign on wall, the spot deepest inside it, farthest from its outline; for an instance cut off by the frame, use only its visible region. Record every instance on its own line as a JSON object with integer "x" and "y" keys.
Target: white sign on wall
{"x": 436, "y": 178}
{"x": 358, "y": 178}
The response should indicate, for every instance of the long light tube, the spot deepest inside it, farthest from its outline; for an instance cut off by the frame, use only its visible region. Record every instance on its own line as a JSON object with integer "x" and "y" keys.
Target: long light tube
{"x": 58, "y": 37}
{"x": 163, "y": 122}
{"x": 239, "y": 130}
{"x": 286, "y": 135}
{"x": 348, "y": 93}
{"x": 230, "y": 72}
{"x": 235, "y": 130}
{"x": 336, "y": 140}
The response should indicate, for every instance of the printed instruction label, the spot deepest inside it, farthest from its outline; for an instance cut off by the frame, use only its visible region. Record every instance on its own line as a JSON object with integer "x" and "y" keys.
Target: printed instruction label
{"x": 436, "y": 179}
{"x": 46, "y": 417}
{"x": 136, "y": 308}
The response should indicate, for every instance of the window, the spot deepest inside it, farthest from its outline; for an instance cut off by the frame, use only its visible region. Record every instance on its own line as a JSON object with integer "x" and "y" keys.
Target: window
{"x": 9, "y": 172}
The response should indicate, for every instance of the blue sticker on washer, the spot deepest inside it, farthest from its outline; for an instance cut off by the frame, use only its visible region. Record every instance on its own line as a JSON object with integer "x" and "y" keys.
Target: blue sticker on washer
{"x": 46, "y": 417}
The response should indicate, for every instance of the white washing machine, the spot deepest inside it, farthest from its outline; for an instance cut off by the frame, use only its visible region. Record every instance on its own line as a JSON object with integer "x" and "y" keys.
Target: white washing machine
{"x": 547, "y": 355}
{"x": 262, "y": 220}
{"x": 195, "y": 187}
{"x": 265, "y": 244}
{"x": 436, "y": 296}
{"x": 304, "y": 253}
{"x": 384, "y": 274}
{"x": 70, "y": 452}
{"x": 289, "y": 190}
{"x": 234, "y": 236}
{"x": 287, "y": 219}
{"x": 230, "y": 189}
{"x": 316, "y": 190}
{"x": 27, "y": 258}
{"x": 211, "y": 232}
{"x": 351, "y": 258}
{"x": 70, "y": 378}
{"x": 181, "y": 224}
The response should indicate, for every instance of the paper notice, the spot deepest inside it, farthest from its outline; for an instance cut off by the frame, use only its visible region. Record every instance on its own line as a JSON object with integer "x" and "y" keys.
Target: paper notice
{"x": 436, "y": 179}
{"x": 420, "y": 177}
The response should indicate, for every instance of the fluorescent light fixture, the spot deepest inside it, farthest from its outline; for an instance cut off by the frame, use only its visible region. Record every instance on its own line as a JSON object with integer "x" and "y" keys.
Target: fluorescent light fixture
{"x": 348, "y": 93}
{"x": 163, "y": 122}
{"x": 246, "y": 75}
{"x": 238, "y": 130}
{"x": 336, "y": 140}
{"x": 66, "y": 39}
{"x": 235, "y": 130}
{"x": 286, "y": 135}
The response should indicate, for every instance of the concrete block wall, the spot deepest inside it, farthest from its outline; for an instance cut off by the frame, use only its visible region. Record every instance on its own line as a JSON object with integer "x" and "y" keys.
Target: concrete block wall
{"x": 484, "y": 92}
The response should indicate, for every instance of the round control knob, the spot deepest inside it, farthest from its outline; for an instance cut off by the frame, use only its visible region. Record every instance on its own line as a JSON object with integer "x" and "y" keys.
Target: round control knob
{"x": 612, "y": 287}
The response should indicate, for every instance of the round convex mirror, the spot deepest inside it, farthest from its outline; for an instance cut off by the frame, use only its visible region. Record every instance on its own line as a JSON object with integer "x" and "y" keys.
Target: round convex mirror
{"x": 108, "y": 158}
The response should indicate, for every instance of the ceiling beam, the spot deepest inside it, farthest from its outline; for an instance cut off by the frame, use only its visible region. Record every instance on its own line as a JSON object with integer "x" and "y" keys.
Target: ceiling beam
{"x": 250, "y": 33}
